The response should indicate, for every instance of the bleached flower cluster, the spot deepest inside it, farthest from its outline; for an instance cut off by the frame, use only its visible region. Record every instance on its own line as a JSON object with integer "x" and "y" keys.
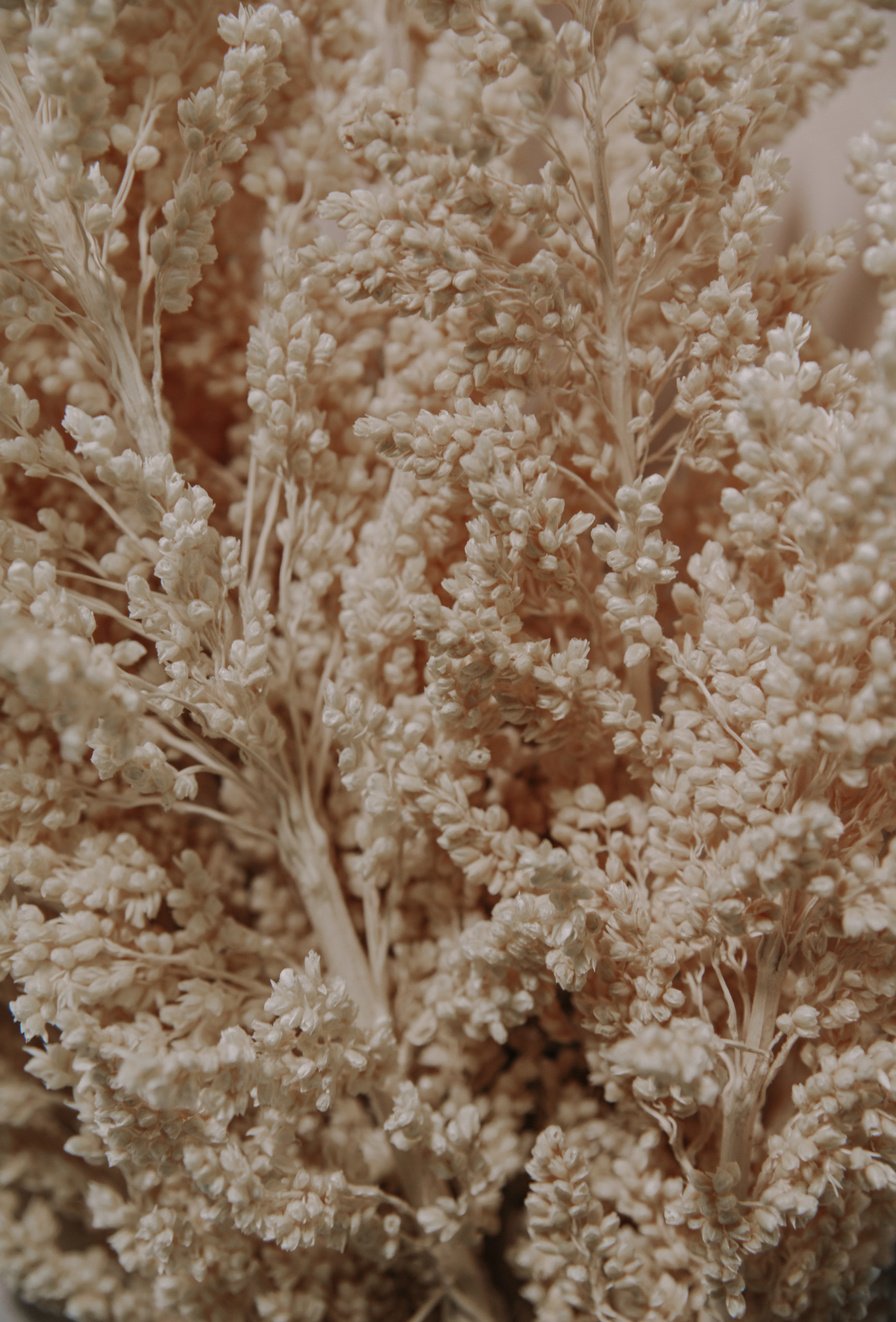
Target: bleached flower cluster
{"x": 447, "y": 666}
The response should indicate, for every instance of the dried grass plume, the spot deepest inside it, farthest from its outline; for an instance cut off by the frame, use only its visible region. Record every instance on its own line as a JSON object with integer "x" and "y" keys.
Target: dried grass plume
{"x": 447, "y": 665}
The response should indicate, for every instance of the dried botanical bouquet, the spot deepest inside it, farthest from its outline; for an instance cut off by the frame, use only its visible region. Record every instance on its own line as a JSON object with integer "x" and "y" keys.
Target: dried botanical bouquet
{"x": 447, "y": 664}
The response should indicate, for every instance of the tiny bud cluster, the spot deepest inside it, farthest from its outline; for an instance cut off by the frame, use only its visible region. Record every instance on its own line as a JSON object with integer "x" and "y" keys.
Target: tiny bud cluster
{"x": 447, "y": 667}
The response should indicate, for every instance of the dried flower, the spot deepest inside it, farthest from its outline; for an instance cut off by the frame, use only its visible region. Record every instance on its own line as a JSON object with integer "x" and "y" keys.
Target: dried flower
{"x": 448, "y": 667}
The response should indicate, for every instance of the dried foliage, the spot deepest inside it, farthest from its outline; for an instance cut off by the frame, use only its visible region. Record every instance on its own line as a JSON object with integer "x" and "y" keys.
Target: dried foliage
{"x": 447, "y": 663}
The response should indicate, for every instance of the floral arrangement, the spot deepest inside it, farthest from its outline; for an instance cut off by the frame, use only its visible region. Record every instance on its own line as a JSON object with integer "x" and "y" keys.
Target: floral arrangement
{"x": 447, "y": 661}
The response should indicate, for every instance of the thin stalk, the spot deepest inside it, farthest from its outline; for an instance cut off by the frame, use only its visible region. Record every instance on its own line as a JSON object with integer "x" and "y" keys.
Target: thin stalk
{"x": 741, "y": 1105}
{"x": 304, "y": 851}
{"x": 640, "y": 686}
{"x": 639, "y": 680}
{"x": 91, "y": 492}
{"x": 248, "y": 515}
{"x": 270, "y": 514}
{"x": 87, "y": 279}
{"x": 620, "y": 386}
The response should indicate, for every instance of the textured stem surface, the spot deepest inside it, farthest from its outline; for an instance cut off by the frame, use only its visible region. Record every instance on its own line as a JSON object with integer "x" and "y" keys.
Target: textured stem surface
{"x": 739, "y": 1118}
{"x": 304, "y": 853}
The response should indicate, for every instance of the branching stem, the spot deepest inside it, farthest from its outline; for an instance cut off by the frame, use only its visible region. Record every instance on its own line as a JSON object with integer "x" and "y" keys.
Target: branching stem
{"x": 304, "y": 852}
{"x": 87, "y": 278}
{"x": 742, "y": 1102}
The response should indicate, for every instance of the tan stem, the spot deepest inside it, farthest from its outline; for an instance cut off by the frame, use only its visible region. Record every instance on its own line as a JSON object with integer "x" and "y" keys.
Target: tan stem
{"x": 742, "y": 1103}
{"x": 305, "y": 856}
{"x": 304, "y": 853}
{"x": 87, "y": 279}
{"x": 639, "y": 681}
{"x": 639, "y": 685}
{"x": 620, "y": 386}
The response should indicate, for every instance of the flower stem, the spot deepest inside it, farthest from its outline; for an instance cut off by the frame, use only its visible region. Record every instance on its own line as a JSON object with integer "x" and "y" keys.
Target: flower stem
{"x": 304, "y": 853}
{"x": 620, "y": 387}
{"x": 639, "y": 681}
{"x": 739, "y": 1117}
{"x": 87, "y": 278}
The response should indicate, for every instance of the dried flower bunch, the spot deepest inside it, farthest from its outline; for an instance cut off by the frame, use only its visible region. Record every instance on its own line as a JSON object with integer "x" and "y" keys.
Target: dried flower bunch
{"x": 448, "y": 668}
